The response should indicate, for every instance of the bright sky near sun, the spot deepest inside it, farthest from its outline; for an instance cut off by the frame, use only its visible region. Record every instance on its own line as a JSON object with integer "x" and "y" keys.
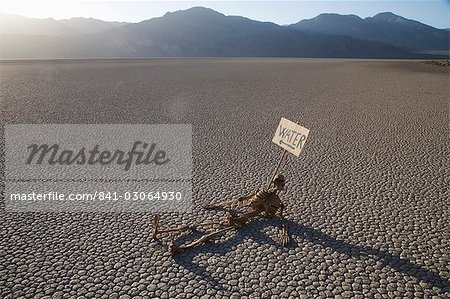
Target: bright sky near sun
{"x": 432, "y": 12}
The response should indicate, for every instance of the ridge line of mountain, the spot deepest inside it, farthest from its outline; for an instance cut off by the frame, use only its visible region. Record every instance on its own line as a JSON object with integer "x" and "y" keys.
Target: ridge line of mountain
{"x": 198, "y": 32}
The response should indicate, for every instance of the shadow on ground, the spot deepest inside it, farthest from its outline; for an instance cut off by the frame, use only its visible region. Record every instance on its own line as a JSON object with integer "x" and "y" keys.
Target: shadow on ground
{"x": 306, "y": 233}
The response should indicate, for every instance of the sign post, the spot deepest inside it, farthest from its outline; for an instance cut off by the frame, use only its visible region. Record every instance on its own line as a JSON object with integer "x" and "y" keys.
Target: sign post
{"x": 291, "y": 137}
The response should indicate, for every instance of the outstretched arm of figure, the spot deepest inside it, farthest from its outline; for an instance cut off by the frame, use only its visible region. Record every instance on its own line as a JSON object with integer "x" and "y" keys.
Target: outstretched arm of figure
{"x": 283, "y": 236}
{"x": 182, "y": 228}
{"x": 228, "y": 203}
{"x": 174, "y": 249}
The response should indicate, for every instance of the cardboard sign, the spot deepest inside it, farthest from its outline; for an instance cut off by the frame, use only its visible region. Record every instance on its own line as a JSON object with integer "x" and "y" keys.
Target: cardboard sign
{"x": 290, "y": 136}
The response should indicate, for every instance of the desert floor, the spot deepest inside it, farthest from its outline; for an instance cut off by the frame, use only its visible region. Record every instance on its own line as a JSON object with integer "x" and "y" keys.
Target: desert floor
{"x": 367, "y": 201}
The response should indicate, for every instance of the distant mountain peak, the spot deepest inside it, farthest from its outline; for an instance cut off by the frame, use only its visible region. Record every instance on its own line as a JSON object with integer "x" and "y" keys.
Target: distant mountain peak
{"x": 195, "y": 11}
{"x": 201, "y": 9}
{"x": 386, "y": 14}
{"x": 388, "y": 17}
{"x": 336, "y": 15}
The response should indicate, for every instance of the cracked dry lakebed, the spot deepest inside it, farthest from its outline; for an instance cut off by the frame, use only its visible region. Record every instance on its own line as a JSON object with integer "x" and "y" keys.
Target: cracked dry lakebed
{"x": 367, "y": 201}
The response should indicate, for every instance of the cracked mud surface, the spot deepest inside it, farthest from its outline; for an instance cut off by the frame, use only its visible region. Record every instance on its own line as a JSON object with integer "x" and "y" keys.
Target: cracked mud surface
{"x": 367, "y": 200}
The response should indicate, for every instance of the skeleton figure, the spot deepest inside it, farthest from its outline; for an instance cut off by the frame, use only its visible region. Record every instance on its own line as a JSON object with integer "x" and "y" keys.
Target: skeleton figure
{"x": 264, "y": 202}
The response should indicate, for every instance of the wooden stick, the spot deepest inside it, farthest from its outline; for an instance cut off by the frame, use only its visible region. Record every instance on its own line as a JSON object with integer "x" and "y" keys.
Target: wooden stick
{"x": 155, "y": 226}
{"x": 276, "y": 169}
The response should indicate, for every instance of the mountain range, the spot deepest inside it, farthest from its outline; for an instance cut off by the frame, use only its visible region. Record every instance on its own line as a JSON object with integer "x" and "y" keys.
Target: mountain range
{"x": 18, "y": 25}
{"x": 384, "y": 27}
{"x": 202, "y": 32}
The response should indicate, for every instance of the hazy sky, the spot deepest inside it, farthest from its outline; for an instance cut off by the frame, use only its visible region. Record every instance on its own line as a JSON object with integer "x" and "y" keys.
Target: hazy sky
{"x": 433, "y": 12}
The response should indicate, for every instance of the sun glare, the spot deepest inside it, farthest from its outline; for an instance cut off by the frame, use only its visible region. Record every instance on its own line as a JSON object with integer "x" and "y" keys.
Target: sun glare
{"x": 42, "y": 10}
